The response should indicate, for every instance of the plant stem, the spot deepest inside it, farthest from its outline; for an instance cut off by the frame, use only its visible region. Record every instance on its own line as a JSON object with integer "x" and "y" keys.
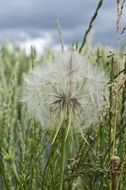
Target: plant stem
{"x": 115, "y": 172}
{"x": 91, "y": 24}
{"x": 63, "y": 156}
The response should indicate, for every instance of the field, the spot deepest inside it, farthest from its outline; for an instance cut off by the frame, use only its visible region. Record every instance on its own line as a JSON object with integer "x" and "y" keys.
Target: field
{"x": 27, "y": 158}
{"x": 37, "y": 153}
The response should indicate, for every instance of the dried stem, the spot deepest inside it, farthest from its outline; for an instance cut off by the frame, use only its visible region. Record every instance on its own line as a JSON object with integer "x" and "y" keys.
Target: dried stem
{"x": 115, "y": 172}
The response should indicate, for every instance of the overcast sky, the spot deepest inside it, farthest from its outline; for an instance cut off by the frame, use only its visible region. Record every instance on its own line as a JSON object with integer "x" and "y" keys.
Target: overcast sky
{"x": 33, "y": 21}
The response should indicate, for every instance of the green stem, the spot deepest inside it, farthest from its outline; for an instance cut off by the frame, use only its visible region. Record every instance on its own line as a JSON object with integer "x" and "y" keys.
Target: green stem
{"x": 63, "y": 157}
{"x": 91, "y": 24}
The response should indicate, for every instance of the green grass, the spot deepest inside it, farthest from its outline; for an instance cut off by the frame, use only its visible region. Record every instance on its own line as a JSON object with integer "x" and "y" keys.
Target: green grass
{"x": 28, "y": 161}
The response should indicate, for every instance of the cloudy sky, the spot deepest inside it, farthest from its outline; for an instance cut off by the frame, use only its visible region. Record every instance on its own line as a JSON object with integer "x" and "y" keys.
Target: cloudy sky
{"x": 33, "y": 21}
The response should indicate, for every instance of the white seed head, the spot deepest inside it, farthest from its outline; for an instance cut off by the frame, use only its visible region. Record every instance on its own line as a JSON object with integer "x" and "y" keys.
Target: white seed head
{"x": 69, "y": 85}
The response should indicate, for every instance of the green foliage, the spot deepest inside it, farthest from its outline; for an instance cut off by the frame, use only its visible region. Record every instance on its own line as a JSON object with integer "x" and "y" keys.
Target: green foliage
{"x": 28, "y": 161}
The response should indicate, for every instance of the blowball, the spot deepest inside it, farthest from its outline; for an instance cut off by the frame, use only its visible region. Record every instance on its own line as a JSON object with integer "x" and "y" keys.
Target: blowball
{"x": 69, "y": 87}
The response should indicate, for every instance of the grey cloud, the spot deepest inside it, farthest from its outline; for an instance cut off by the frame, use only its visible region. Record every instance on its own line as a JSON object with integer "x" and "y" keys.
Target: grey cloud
{"x": 41, "y": 14}
{"x": 20, "y": 20}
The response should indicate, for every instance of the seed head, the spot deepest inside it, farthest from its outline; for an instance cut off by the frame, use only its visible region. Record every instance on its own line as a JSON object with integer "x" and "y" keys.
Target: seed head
{"x": 69, "y": 85}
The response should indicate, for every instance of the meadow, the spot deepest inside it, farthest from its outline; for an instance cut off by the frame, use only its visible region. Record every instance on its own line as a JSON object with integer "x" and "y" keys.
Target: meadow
{"x": 28, "y": 158}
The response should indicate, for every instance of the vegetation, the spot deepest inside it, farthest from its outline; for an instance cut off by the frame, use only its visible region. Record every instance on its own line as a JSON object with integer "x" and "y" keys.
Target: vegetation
{"x": 28, "y": 158}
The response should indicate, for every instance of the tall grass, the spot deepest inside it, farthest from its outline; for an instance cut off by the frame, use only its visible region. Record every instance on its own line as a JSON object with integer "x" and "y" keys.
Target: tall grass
{"x": 27, "y": 159}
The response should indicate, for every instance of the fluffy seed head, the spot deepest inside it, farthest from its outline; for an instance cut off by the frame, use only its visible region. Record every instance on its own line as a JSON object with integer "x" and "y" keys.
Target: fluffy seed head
{"x": 69, "y": 85}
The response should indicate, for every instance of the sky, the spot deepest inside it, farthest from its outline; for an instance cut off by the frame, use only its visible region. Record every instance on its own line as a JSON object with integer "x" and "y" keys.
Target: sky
{"x": 32, "y": 22}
